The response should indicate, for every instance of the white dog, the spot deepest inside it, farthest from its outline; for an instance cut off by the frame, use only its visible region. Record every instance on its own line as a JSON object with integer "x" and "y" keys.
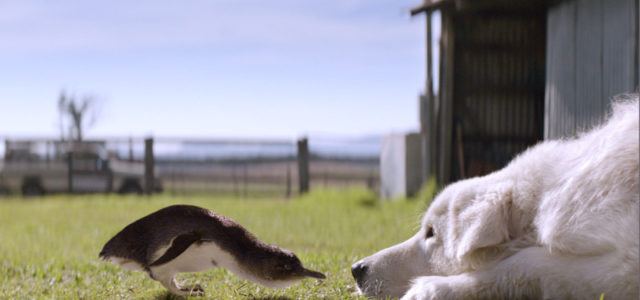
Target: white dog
{"x": 559, "y": 222}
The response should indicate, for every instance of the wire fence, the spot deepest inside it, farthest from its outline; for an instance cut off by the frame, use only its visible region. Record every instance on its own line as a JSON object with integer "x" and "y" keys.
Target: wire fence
{"x": 242, "y": 168}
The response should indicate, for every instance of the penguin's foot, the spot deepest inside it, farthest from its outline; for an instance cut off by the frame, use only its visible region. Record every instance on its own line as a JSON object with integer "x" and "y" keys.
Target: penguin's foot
{"x": 172, "y": 285}
{"x": 193, "y": 291}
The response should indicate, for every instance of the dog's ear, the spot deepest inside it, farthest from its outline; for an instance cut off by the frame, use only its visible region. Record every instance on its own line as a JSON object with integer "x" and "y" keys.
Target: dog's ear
{"x": 484, "y": 221}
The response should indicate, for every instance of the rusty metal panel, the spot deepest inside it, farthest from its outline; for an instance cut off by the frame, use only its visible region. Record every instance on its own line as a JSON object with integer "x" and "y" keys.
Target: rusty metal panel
{"x": 499, "y": 89}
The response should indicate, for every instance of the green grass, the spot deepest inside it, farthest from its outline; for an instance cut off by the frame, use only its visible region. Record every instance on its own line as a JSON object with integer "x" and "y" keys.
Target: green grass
{"x": 49, "y": 247}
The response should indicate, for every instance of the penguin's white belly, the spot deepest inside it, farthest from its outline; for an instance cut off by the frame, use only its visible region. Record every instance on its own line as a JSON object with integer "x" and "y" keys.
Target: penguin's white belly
{"x": 126, "y": 264}
{"x": 196, "y": 258}
{"x": 207, "y": 255}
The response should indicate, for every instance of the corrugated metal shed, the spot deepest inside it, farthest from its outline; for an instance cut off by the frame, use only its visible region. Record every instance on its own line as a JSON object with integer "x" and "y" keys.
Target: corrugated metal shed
{"x": 499, "y": 88}
{"x": 515, "y": 71}
{"x": 491, "y": 93}
{"x": 592, "y": 55}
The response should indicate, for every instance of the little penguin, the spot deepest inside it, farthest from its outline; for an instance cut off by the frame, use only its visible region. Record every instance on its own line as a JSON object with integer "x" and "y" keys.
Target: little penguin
{"x": 185, "y": 238}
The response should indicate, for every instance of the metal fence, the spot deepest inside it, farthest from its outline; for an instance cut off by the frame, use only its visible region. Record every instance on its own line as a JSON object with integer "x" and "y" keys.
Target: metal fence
{"x": 243, "y": 168}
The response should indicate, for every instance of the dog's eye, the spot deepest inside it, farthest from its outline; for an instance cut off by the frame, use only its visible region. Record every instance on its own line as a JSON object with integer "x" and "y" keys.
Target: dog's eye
{"x": 430, "y": 232}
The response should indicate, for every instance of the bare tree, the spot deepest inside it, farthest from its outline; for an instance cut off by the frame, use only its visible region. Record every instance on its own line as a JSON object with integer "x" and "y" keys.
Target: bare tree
{"x": 77, "y": 115}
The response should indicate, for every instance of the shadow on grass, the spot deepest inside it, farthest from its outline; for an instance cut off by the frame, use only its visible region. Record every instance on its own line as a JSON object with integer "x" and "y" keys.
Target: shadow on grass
{"x": 168, "y": 296}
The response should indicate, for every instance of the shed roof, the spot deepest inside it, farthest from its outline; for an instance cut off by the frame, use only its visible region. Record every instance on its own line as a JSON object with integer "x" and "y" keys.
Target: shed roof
{"x": 477, "y": 5}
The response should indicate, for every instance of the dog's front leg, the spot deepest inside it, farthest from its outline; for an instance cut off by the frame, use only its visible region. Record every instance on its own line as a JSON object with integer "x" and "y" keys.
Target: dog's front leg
{"x": 517, "y": 277}
{"x": 442, "y": 287}
{"x": 532, "y": 273}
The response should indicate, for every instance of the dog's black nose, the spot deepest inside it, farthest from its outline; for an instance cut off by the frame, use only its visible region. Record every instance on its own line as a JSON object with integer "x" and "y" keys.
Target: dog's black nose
{"x": 358, "y": 270}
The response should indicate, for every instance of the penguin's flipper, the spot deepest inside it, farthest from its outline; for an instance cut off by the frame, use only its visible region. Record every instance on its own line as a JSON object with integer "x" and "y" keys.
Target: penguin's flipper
{"x": 179, "y": 245}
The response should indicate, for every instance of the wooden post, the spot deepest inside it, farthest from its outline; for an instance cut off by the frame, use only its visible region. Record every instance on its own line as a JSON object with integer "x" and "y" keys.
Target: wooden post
{"x": 6, "y": 149}
{"x": 246, "y": 178}
{"x": 446, "y": 96}
{"x": 370, "y": 182}
{"x": 70, "y": 172}
{"x": 303, "y": 165}
{"x": 235, "y": 181}
{"x": 426, "y": 109}
{"x": 148, "y": 166}
{"x": 288, "y": 192}
{"x": 460, "y": 150}
{"x": 173, "y": 180}
{"x": 47, "y": 151}
{"x": 130, "y": 149}
{"x": 326, "y": 178}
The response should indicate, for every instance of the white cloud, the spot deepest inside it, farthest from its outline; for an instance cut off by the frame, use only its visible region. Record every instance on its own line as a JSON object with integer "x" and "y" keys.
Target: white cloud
{"x": 347, "y": 66}
{"x": 79, "y": 26}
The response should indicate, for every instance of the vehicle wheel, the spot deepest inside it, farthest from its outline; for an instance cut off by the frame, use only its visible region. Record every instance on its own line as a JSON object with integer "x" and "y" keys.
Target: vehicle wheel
{"x": 4, "y": 191}
{"x": 130, "y": 188}
{"x": 32, "y": 189}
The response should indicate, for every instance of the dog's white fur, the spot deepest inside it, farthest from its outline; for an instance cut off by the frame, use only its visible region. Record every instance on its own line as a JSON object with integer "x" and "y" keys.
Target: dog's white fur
{"x": 559, "y": 222}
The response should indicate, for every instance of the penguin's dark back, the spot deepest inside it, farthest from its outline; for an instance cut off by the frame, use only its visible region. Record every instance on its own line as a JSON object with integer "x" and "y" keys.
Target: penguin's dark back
{"x": 139, "y": 240}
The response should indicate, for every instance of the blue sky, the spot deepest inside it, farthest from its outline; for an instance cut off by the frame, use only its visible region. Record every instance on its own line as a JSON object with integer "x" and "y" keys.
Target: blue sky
{"x": 217, "y": 68}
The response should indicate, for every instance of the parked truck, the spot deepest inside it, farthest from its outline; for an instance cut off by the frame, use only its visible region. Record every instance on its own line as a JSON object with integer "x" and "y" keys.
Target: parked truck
{"x": 74, "y": 168}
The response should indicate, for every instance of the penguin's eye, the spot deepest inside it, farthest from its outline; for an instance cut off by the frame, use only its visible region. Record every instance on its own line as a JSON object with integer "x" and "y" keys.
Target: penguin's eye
{"x": 284, "y": 267}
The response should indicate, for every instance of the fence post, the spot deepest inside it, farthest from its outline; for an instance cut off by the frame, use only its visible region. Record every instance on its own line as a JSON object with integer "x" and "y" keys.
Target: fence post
{"x": 131, "y": 149}
{"x": 70, "y": 172}
{"x": 246, "y": 179}
{"x": 6, "y": 149}
{"x": 47, "y": 151}
{"x": 326, "y": 178}
{"x": 173, "y": 180}
{"x": 288, "y": 192}
{"x": 370, "y": 182}
{"x": 148, "y": 166}
{"x": 234, "y": 177}
{"x": 303, "y": 165}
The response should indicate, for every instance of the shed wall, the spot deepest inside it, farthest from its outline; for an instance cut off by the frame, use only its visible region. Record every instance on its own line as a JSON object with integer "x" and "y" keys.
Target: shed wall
{"x": 499, "y": 89}
{"x": 592, "y": 55}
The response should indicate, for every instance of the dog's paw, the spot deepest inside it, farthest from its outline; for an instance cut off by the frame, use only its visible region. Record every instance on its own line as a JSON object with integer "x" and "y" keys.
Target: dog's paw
{"x": 429, "y": 288}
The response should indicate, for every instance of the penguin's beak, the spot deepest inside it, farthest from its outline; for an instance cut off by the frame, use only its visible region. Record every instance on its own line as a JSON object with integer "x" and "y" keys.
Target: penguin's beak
{"x": 313, "y": 274}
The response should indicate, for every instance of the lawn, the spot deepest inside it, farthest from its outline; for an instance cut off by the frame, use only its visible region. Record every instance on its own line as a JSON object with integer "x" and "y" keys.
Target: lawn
{"x": 49, "y": 247}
